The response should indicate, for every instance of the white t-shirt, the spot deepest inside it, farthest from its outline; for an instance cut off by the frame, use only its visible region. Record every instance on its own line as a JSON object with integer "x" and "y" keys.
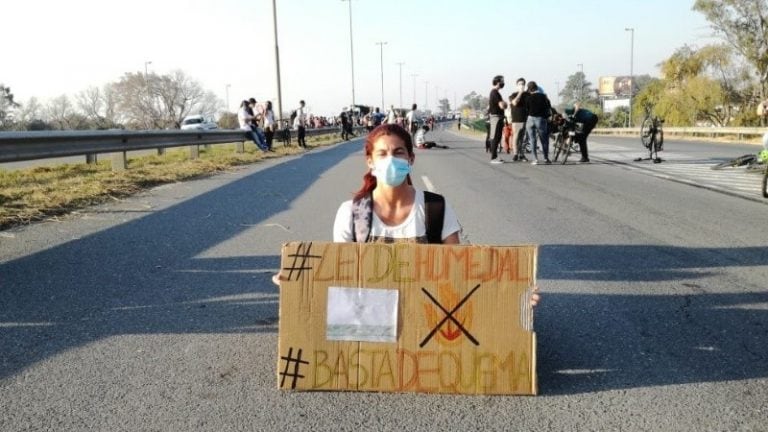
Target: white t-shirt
{"x": 244, "y": 118}
{"x": 410, "y": 118}
{"x": 420, "y": 137}
{"x": 413, "y": 229}
{"x": 301, "y": 118}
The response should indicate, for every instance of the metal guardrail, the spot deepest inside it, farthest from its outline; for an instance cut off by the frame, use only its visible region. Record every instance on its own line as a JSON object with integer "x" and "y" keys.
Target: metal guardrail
{"x": 21, "y": 146}
{"x": 739, "y": 132}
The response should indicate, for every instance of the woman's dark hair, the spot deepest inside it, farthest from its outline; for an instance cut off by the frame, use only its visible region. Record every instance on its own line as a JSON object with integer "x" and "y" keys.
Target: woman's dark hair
{"x": 497, "y": 79}
{"x": 269, "y": 105}
{"x": 243, "y": 104}
{"x": 369, "y": 181}
{"x": 532, "y": 86}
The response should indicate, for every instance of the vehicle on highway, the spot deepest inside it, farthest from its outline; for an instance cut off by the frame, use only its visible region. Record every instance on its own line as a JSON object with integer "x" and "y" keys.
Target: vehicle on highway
{"x": 198, "y": 122}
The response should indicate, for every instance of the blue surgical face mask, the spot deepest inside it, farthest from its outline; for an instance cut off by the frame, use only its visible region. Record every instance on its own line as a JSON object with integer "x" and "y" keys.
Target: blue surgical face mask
{"x": 391, "y": 171}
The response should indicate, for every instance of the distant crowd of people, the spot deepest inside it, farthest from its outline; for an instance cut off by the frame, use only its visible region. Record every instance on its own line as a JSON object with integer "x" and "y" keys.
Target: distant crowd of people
{"x": 528, "y": 112}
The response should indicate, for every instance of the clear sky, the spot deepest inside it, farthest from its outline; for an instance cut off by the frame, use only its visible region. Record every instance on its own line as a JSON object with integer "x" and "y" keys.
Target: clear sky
{"x": 62, "y": 47}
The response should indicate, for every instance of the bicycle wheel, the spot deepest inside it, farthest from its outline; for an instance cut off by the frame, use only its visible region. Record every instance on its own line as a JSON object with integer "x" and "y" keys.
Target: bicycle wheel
{"x": 739, "y": 161}
{"x": 645, "y": 131}
{"x": 558, "y": 146}
{"x": 566, "y": 151}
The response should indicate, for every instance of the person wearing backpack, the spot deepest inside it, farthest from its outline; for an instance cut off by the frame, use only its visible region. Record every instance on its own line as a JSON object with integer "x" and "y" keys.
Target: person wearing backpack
{"x": 388, "y": 208}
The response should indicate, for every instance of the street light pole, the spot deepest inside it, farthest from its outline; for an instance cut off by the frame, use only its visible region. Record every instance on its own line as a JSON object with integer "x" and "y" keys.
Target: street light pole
{"x": 351, "y": 52}
{"x": 581, "y": 81}
{"x": 401, "y": 83}
{"x": 277, "y": 68}
{"x": 631, "y": 69}
{"x": 426, "y": 94}
{"x": 381, "y": 49}
{"x": 227, "y": 90}
{"x": 414, "y": 86}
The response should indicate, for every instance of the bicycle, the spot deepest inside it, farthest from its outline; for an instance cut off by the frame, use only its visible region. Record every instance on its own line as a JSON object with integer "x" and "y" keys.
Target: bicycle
{"x": 752, "y": 163}
{"x": 652, "y": 136}
{"x": 565, "y": 138}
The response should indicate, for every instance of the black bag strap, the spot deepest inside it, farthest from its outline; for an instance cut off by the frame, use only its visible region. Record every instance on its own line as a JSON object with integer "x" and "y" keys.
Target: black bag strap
{"x": 435, "y": 213}
{"x": 362, "y": 218}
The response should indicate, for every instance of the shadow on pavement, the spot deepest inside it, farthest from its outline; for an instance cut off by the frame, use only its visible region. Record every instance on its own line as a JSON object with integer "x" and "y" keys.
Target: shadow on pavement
{"x": 146, "y": 277}
{"x": 596, "y": 342}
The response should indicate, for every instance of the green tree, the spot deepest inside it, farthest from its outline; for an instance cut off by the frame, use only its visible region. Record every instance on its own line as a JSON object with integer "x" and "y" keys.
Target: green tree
{"x": 743, "y": 24}
{"x": 7, "y": 105}
{"x": 475, "y": 102}
{"x": 688, "y": 92}
{"x": 577, "y": 88}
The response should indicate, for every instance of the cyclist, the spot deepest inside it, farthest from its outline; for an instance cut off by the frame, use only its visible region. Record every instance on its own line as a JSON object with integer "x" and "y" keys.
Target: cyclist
{"x": 589, "y": 120}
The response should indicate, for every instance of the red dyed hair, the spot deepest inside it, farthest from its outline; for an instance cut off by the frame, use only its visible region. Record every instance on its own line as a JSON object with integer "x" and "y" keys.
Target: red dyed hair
{"x": 369, "y": 181}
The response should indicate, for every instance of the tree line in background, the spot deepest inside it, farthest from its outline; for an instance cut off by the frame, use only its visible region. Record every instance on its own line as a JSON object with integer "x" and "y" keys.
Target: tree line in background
{"x": 135, "y": 101}
{"x": 715, "y": 85}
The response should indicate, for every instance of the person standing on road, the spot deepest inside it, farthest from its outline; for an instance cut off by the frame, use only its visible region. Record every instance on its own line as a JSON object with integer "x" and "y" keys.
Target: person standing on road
{"x": 519, "y": 117}
{"x": 507, "y": 124}
{"x": 344, "y": 116}
{"x": 539, "y": 110}
{"x": 411, "y": 120}
{"x": 300, "y": 123}
{"x": 391, "y": 115}
{"x": 269, "y": 124}
{"x": 458, "y": 122}
{"x": 496, "y": 107}
{"x": 589, "y": 120}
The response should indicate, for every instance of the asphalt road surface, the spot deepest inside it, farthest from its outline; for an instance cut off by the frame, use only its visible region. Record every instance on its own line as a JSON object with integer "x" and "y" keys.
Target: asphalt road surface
{"x": 156, "y": 313}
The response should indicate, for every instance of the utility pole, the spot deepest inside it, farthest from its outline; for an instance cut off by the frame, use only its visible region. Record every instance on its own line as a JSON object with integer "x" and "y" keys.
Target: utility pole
{"x": 414, "y": 86}
{"x": 277, "y": 68}
{"x": 351, "y": 52}
{"x": 381, "y": 47}
{"x": 401, "y": 83}
{"x": 631, "y": 69}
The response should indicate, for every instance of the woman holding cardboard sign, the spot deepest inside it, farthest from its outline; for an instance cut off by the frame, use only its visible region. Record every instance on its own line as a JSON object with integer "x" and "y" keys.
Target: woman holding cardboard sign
{"x": 388, "y": 208}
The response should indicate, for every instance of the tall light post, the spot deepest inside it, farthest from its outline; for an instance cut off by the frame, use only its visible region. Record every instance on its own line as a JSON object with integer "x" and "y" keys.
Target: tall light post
{"x": 146, "y": 63}
{"x": 414, "y": 86}
{"x": 277, "y": 68}
{"x": 351, "y": 52}
{"x": 631, "y": 69}
{"x": 401, "y": 83}
{"x": 226, "y": 88}
{"x": 426, "y": 94}
{"x": 581, "y": 81}
{"x": 381, "y": 49}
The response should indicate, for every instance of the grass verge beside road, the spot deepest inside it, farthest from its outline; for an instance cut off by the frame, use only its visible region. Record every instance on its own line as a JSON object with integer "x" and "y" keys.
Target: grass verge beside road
{"x": 40, "y": 193}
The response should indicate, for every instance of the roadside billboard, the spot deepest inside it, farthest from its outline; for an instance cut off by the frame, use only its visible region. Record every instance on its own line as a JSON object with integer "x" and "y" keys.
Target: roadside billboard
{"x": 615, "y": 86}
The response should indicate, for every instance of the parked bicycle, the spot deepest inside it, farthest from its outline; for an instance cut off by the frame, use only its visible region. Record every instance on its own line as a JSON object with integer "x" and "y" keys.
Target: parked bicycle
{"x": 565, "y": 137}
{"x": 652, "y": 136}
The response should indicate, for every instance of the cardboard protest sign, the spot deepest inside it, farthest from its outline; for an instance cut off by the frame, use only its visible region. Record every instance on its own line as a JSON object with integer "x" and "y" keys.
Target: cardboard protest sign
{"x": 407, "y": 318}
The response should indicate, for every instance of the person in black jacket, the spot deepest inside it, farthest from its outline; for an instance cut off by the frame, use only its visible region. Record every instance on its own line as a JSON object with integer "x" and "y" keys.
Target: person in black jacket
{"x": 539, "y": 110}
{"x": 589, "y": 120}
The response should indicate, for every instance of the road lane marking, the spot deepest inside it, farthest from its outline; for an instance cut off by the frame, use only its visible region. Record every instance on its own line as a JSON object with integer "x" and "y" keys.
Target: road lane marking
{"x": 428, "y": 183}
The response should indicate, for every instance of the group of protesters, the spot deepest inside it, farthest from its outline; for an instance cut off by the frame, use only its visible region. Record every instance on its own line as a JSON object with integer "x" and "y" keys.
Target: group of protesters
{"x": 528, "y": 113}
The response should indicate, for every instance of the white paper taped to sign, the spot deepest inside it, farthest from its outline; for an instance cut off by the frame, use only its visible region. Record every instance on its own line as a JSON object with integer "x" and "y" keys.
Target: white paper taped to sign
{"x": 362, "y": 314}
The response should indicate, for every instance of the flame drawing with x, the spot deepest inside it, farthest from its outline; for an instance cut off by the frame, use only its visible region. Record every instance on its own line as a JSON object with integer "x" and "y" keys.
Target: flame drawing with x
{"x": 449, "y": 315}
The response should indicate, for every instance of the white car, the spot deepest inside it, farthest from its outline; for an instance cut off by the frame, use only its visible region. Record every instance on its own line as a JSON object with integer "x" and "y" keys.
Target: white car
{"x": 198, "y": 122}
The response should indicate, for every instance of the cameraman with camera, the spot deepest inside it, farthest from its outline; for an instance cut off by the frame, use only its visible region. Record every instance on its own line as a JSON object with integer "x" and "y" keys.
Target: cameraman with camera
{"x": 589, "y": 120}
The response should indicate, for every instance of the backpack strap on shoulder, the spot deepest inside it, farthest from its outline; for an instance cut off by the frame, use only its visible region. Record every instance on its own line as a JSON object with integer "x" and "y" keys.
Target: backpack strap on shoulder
{"x": 362, "y": 218}
{"x": 435, "y": 213}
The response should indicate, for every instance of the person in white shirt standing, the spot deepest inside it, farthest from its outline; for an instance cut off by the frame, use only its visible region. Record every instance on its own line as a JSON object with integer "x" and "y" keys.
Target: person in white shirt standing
{"x": 411, "y": 120}
{"x": 300, "y": 123}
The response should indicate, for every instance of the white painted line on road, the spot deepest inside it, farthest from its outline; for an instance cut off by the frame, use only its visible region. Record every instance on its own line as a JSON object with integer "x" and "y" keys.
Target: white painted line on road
{"x": 428, "y": 184}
